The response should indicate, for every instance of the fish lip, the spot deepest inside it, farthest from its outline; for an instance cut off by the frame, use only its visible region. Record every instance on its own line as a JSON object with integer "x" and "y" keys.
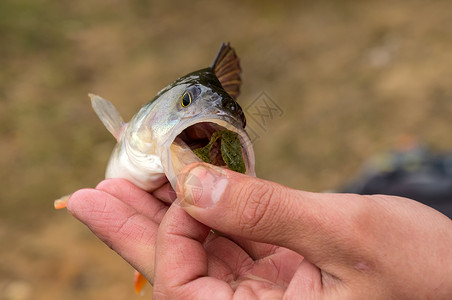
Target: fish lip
{"x": 222, "y": 120}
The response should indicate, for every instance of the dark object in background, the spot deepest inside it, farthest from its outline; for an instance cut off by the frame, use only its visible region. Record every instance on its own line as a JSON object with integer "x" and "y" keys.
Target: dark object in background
{"x": 416, "y": 173}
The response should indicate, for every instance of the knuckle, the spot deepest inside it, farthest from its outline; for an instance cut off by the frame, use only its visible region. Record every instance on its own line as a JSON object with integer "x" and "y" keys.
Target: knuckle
{"x": 111, "y": 184}
{"x": 159, "y": 213}
{"x": 257, "y": 206}
{"x": 159, "y": 292}
{"x": 358, "y": 224}
{"x": 362, "y": 212}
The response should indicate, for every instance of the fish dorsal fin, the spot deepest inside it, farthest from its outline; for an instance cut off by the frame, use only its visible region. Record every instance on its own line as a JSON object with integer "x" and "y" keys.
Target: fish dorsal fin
{"x": 108, "y": 114}
{"x": 227, "y": 69}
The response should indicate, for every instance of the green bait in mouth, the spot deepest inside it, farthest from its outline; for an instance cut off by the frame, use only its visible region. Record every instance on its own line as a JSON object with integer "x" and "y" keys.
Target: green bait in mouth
{"x": 231, "y": 150}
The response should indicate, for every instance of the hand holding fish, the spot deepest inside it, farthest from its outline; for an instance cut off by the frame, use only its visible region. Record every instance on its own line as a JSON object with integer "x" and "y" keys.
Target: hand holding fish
{"x": 272, "y": 241}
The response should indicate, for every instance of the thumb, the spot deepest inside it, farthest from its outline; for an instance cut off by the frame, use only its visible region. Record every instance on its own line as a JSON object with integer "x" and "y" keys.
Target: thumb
{"x": 236, "y": 204}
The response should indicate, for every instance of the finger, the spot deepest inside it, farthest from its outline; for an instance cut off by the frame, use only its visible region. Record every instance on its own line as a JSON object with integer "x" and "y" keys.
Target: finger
{"x": 181, "y": 267}
{"x": 227, "y": 260}
{"x": 165, "y": 193}
{"x": 314, "y": 225}
{"x": 307, "y": 280}
{"x": 138, "y": 199}
{"x": 255, "y": 250}
{"x": 117, "y": 224}
{"x": 278, "y": 267}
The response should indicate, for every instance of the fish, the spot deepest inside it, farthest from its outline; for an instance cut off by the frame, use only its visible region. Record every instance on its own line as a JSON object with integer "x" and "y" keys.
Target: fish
{"x": 196, "y": 118}
{"x": 159, "y": 140}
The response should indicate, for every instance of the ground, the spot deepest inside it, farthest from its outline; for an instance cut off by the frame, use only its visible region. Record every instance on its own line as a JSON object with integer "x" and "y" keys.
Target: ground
{"x": 347, "y": 79}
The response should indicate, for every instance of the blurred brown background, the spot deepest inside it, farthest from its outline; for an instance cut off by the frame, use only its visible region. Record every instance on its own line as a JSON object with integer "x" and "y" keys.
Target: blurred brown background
{"x": 351, "y": 78}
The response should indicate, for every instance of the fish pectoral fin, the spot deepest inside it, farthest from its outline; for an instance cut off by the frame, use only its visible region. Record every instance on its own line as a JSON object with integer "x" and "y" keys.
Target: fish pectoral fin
{"x": 140, "y": 281}
{"x": 108, "y": 114}
{"x": 61, "y": 202}
{"x": 227, "y": 69}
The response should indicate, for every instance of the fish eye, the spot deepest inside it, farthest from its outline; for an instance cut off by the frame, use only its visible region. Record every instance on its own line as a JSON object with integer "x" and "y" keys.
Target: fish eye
{"x": 186, "y": 99}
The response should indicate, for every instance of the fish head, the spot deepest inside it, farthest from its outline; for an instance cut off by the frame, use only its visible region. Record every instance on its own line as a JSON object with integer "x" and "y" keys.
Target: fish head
{"x": 197, "y": 111}
{"x": 198, "y": 95}
{"x": 191, "y": 110}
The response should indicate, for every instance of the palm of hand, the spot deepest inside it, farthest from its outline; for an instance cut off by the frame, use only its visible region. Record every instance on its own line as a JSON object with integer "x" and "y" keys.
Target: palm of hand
{"x": 250, "y": 268}
{"x": 198, "y": 262}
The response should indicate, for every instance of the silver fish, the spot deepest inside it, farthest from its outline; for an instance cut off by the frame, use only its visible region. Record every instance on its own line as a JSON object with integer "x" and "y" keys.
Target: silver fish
{"x": 195, "y": 118}
{"x": 159, "y": 140}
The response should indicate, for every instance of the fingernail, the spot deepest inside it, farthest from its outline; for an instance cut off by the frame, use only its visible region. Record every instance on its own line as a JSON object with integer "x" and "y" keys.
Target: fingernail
{"x": 204, "y": 186}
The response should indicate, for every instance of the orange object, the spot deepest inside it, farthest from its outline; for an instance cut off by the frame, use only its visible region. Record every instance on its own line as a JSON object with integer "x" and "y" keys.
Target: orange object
{"x": 61, "y": 202}
{"x": 140, "y": 281}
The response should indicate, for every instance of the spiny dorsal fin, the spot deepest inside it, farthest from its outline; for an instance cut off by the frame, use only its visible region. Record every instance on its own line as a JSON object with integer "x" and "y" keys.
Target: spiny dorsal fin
{"x": 227, "y": 69}
{"x": 108, "y": 114}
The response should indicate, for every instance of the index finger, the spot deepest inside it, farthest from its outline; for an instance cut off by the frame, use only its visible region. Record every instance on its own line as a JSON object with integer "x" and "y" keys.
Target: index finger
{"x": 118, "y": 224}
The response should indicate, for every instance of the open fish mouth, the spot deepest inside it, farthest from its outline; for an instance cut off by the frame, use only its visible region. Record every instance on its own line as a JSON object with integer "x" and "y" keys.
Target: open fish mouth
{"x": 201, "y": 136}
{"x": 214, "y": 141}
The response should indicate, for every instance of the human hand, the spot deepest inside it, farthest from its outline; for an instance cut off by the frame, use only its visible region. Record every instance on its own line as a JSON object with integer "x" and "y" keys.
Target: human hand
{"x": 353, "y": 246}
{"x": 124, "y": 217}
